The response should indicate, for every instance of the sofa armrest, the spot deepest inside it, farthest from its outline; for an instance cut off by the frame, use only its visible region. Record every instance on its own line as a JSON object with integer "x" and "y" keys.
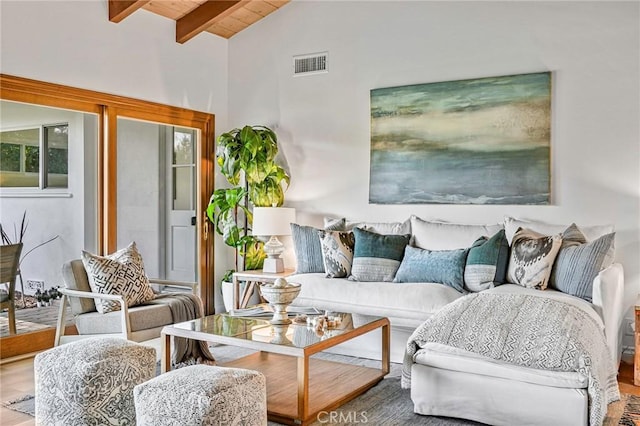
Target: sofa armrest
{"x": 608, "y": 299}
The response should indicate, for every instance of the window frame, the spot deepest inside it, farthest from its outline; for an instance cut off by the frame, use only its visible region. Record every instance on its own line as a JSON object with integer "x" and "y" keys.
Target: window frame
{"x": 43, "y": 172}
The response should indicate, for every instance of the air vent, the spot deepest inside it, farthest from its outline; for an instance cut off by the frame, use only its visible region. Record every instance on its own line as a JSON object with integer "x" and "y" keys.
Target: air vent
{"x": 314, "y": 63}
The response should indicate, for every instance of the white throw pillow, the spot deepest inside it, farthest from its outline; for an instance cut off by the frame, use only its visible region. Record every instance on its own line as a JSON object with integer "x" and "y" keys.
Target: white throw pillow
{"x": 120, "y": 273}
{"x": 511, "y": 225}
{"x": 447, "y": 236}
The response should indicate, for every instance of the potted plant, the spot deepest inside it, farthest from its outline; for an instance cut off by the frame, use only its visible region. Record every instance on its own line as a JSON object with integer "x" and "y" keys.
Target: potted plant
{"x": 247, "y": 160}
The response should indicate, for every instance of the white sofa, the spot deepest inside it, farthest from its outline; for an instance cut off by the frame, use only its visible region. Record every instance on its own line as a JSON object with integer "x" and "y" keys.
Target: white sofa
{"x": 449, "y": 382}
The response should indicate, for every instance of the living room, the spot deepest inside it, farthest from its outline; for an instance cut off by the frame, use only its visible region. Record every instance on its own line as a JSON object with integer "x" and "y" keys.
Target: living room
{"x": 323, "y": 120}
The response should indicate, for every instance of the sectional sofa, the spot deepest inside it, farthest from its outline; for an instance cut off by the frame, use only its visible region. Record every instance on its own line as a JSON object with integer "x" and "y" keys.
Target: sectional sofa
{"x": 451, "y": 382}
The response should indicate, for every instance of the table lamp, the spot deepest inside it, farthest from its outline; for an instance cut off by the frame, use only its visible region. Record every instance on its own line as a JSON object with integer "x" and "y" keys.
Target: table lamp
{"x": 271, "y": 222}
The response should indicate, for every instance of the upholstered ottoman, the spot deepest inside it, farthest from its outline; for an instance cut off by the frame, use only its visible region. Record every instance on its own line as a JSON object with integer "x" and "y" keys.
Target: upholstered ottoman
{"x": 202, "y": 395}
{"x": 91, "y": 381}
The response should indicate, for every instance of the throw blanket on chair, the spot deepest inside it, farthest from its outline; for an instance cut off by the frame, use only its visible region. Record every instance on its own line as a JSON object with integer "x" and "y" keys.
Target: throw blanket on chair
{"x": 526, "y": 330}
{"x": 185, "y": 307}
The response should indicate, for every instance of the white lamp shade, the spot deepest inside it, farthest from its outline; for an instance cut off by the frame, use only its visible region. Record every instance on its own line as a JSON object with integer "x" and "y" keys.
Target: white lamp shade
{"x": 268, "y": 221}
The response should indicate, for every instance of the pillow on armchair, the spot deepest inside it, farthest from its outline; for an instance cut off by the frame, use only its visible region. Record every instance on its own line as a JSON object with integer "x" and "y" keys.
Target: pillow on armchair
{"x": 119, "y": 273}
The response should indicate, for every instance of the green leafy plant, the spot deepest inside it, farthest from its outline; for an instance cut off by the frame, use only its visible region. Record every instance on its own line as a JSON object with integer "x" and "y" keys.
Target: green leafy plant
{"x": 247, "y": 159}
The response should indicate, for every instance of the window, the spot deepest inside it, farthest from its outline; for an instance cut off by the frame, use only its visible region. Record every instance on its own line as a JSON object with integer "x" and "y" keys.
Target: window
{"x": 22, "y": 166}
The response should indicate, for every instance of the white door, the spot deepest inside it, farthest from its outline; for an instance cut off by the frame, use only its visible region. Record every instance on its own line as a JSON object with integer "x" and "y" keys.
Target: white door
{"x": 181, "y": 203}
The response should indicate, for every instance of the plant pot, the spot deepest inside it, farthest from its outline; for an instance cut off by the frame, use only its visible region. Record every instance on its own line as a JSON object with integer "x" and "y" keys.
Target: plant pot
{"x": 227, "y": 294}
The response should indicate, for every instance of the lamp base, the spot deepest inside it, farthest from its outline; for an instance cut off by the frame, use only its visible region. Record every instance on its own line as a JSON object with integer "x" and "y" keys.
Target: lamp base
{"x": 273, "y": 265}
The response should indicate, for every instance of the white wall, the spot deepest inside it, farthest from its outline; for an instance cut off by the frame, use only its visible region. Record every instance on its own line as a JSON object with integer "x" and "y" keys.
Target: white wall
{"x": 323, "y": 121}
{"x": 47, "y": 217}
{"x": 73, "y": 43}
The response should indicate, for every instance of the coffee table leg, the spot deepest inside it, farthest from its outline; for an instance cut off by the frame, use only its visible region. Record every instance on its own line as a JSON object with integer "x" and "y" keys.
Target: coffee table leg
{"x": 386, "y": 349}
{"x": 303, "y": 387}
{"x": 165, "y": 360}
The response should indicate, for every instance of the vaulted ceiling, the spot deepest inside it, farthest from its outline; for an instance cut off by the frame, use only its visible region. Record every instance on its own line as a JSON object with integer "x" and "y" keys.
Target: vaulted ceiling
{"x": 220, "y": 17}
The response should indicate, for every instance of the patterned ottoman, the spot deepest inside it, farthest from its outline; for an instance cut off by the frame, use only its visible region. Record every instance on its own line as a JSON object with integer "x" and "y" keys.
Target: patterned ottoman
{"x": 203, "y": 395}
{"x": 91, "y": 381}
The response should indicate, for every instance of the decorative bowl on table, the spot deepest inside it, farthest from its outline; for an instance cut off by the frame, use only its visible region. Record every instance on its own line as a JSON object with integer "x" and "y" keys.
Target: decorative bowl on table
{"x": 280, "y": 294}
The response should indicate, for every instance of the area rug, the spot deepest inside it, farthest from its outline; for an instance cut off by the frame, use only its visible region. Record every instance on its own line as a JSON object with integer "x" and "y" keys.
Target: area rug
{"x": 385, "y": 404}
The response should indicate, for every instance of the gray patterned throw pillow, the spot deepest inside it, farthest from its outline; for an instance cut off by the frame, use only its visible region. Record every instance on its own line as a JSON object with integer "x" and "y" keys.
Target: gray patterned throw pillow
{"x": 337, "y": 252}
{"x": 120, "y": 273}
{"x": 579, "y": 262}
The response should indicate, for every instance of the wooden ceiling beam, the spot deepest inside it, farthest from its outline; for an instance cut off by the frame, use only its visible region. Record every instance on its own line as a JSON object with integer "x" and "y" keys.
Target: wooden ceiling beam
{"x": 120, "y": 9}
{"x": 202, "y": 17}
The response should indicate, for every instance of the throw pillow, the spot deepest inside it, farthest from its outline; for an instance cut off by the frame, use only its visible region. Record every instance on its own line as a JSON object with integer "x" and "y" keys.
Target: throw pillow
{"x": 119, "y": 273}
{"x": 447, "y": 236}
{"x": 307, "y": 249}
{"x": 376, "y": 257}
{"x": 425, "y": 266}
{"x": 333, "y": 224}
{"x": 532, "y": 257}
{"x": 337, "y": 252}
{"x": 579, "y": 262}
{"x": 487, "y": 262}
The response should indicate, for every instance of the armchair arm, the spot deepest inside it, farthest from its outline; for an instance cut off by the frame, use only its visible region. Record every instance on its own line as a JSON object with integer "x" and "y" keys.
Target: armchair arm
{"x": 124, "y": 310}
{"x": 91, "y": 295}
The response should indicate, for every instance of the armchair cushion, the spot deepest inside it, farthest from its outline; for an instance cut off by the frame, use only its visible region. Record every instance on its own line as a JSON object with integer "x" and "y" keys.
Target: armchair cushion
{"x": 119, "y": 273}
{"x": 141, "y": 317}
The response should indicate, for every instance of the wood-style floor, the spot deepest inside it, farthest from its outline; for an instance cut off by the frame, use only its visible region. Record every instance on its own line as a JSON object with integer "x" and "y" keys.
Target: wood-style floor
{"x": 16, "y": 380}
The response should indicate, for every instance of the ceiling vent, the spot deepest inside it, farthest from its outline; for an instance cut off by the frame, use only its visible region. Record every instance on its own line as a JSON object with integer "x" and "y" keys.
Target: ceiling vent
{"x": 314, "y": 63}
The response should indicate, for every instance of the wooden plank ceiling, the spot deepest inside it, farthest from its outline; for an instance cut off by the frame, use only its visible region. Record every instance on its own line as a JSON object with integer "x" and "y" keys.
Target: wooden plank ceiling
{"x": 220, "y": 17}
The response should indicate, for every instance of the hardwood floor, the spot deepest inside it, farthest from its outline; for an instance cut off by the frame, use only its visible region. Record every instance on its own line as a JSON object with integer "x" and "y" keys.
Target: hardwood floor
{"x": 16, "y": 380}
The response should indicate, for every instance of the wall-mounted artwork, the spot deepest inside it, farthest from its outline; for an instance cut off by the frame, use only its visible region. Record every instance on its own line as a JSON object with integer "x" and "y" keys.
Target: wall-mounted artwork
{"x": 480, "y": 141}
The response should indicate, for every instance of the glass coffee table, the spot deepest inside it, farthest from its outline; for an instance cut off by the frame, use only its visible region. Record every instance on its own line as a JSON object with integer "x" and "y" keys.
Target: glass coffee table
{"x": 298, "y": 387}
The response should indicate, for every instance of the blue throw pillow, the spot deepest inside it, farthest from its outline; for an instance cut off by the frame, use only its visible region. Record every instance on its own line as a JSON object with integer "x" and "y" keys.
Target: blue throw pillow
{"x": 307, "y": 249}
{"x": 376, "y": 257}
{"x": 426, "y": 266}
{"x": 487, "y": 262}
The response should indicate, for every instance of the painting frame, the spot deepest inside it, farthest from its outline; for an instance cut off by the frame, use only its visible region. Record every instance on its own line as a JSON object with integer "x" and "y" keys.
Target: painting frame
{"x": 484, "y": 140}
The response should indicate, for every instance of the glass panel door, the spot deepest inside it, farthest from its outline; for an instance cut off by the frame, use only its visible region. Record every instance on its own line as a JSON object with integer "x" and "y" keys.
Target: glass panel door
{"x": 156, "y": 196}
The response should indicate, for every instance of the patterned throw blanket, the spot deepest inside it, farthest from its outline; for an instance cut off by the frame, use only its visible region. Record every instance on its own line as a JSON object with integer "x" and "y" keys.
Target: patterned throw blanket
{"x": 185, "y": 307}
{"x": 526, "y": 330}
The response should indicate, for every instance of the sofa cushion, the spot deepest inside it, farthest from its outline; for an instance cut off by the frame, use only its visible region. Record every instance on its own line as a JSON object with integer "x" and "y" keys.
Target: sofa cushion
{"x": 376, "y": 257}
{"x": 141, "y": 317}
{"x": 384, "y": 228}
{"x": 120, "y": 273}
{"x": 487, "y": 262}
{"x": 511, "y": 225}
{"x": 532, "y": 257}
{"x": 443, "y": 266}
{"x": 450, "y": 358}
{"x": 407, "y": 308}
{"x": 579, "y": 262}
{"x": 337, "y": 253}
{"x": 447, "y": 236}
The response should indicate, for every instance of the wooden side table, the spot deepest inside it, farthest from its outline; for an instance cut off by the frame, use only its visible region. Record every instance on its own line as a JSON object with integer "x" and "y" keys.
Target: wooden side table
{"x": 636, "y": 334}
{"x": 240, "y": 301}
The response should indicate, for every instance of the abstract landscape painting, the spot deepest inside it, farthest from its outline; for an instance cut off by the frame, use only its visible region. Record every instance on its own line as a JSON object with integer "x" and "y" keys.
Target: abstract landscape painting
{"x": 480, "y": 141}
